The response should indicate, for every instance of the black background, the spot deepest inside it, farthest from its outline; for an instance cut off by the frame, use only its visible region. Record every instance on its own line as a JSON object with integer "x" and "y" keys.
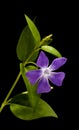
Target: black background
{"x": 58, "y": 18}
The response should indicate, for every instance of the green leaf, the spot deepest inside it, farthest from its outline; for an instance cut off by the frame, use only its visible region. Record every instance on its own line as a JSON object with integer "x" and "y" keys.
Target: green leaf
{"x": 19, "y": 106}
{"x": 25, "y": 44}
{"x": 51, "y": 50}
{"x": 33, "y": 29}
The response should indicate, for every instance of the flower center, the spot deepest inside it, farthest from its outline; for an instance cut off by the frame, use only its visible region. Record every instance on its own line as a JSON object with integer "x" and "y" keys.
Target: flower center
{"x": 46, "y": 72}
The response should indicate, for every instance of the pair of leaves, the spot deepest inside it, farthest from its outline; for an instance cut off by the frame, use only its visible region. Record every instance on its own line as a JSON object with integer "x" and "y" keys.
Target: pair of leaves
{"x": 21, "y": 108}
{"x": 30, "y": 39}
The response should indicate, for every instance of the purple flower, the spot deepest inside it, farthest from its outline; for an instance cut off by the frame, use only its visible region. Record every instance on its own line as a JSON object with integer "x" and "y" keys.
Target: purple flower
{"x": 46, "y": 73}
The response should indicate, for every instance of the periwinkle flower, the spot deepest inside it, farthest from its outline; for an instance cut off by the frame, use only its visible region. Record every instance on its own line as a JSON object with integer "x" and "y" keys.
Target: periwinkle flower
{"x": 46, "y": 73}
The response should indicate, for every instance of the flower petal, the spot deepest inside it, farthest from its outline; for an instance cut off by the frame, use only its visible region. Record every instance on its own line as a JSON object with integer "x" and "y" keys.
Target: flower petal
{"x": 33, "y": 76}
{"x": 57, "y": 63}
{"x": 42, "y": 61}
{"x": 43, "y": 86}
{"x": 57, "y": 78}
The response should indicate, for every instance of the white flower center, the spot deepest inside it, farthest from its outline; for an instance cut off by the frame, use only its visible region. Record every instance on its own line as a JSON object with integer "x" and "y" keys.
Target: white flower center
{"x": 46, "y": 72}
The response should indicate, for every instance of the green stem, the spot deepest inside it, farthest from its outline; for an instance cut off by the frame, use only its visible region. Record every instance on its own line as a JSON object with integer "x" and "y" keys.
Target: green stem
{"x": 9, "y": 93}
{"x": 35, "y": 50}
{"x": 32, "y": 63}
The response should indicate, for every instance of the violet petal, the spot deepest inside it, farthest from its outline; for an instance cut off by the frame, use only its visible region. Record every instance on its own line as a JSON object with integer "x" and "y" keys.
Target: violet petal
{"x": 57, "y": 78}
{"x": 57, "y": 63}
{"x": 43, "y": 86}
{"x": 42, "y": 60}
{"x": 33, "y": 76}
